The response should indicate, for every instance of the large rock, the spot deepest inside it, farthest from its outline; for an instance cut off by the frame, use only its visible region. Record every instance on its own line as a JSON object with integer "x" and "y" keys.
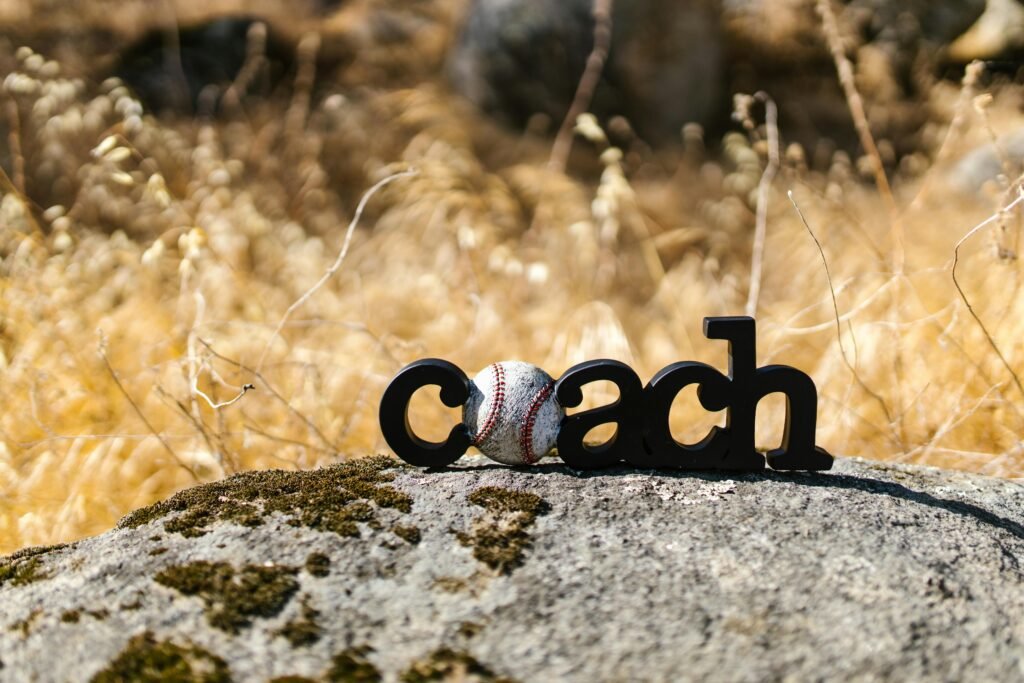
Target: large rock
{"x": 988, "y": 163}
{"x": 361, "y": 571}
{"x": 516, "y": 58}
{"x": 679, "y": 61}
{"x": 999, "y": 31}
{"x": 188, "y": 70}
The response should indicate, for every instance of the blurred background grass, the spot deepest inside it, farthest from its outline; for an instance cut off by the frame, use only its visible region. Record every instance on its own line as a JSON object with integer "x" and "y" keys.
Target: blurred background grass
{"x": 147, "y": 259}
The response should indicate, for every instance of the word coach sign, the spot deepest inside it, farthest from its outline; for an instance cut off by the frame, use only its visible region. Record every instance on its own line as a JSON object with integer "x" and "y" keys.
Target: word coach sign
{"x": 515, "y": 413}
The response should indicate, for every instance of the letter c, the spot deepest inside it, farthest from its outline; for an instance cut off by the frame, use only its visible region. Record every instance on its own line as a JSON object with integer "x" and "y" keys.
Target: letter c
{"x": 713, "y": 391}
{"x": 394, "y": 413}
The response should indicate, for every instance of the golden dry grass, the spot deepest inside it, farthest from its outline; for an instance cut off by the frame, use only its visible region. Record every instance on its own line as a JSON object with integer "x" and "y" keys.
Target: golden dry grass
{"x": 177, "y": 246}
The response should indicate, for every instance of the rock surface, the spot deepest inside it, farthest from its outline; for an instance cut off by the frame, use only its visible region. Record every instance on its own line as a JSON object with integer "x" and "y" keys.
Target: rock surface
{"x": 368, "y": 570}
{"x": 986, "y": 164}
{"x": 516, "y": 59}
{"x": 674, "y": 62}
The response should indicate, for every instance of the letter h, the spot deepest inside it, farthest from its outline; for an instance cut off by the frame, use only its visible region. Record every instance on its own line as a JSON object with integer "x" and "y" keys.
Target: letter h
{"x": 749, "y": 384}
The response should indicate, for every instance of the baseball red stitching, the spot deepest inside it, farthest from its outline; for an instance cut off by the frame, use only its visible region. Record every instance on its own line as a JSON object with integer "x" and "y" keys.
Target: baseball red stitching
{"x": 526, "y": 436}
{"x": 492, "y": 414}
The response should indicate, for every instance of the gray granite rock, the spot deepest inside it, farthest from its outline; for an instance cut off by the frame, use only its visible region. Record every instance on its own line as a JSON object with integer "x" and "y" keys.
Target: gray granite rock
{"x": 868, "y": 572}
{"x": 674, "y": 62}
{"x": 997, "y": 32}
{"x": 516, "y": 59}
{"x": 987, "y": 163}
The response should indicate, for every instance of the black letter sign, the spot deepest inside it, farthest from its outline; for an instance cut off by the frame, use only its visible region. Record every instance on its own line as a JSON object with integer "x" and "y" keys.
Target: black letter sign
{"x": 394, "y": 413}
{"x": 642, "y": 436}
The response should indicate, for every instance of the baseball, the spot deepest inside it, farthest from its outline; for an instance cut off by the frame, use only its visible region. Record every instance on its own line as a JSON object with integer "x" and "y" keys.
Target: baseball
{"x": 512, "y": 413}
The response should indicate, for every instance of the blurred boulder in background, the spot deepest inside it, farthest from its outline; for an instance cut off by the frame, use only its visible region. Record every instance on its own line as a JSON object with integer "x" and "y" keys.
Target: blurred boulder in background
{"x": 677, "y": 62}
{"x": 912, "y": 22}
{"x": 185, "y": 64}
{"x": 896, "y": 46}
{"x": 517, "y": 58}
{"x": 997, "y": 162}
{"x": 909, "y": 31}
{"x": 671, "y": 62}
{"x": 1000, "y": 30}
{"x": 188, "y": 69}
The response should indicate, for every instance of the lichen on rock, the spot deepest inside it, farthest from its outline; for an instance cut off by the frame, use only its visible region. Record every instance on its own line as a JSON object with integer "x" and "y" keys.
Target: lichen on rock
{"x": 330, "y": 499}
{"x": 147, "y": 660}
{"x": 25, "y": 566}
{"x": 408, "y": 533}
{"x": 233, "y": 597}
{"x": 351, "y": 666}
{"x": 304, "y": 630}
{"x": 318, "y": 565}
{"x": 19, "y": 573}
{"x": 499, "y": 537}
{"x": 445, "y": 664}
{"x": 24, "y": 626}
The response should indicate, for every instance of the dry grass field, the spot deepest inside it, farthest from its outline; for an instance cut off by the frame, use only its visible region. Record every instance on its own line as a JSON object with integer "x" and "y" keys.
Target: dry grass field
{"x": 149, "y": 266}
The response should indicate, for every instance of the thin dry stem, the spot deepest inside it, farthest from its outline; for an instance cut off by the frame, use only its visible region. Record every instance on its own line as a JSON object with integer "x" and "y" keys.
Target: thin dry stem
{"x": 860, "y": 120}
{"x": 998, "y": 216}
{"x": 14, "y": 140}
{"x": 336, "y": 266}
{"x": 588, "y": 84}
{"x": 968, "y": 86}
{"x": 246, "y": 388}
{"x": 102, "y": 349}
{"x": 761, "y": 225}
{"x": 855, "y": 103}
{"x": 839, "y": 328}
{"x": 305, "y": 76}
{"x": 172, "y": 50}
{"x": 199, "y": 425}
{"x": 255, "y": 58}
{"x": 981, "y": 105}
{"x": 273, "y": 392}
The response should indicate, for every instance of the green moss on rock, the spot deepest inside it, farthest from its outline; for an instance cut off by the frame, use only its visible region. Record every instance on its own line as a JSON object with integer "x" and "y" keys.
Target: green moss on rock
{"x": 351, "y": 666}
{"x": 24, "y": 626}
{"x": 233, "y": 597}
{"x": 446, "y": 664}
{"x": 147, "y": 660}
{"x": 469, "y": 629}
{"x": 408, "y": 533}
{"x": 318, "y": 565}
{"x": 25, "y": 566}
{"x": 451, "y": 584}
{"x": 305, "y": 630}
{"x": 499, "y": 500}
{"x": 331, "y": 499}
{"x": 384, "y": 496}
{"x": 22, "y": 572}
{"x": 499, "y": 537}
